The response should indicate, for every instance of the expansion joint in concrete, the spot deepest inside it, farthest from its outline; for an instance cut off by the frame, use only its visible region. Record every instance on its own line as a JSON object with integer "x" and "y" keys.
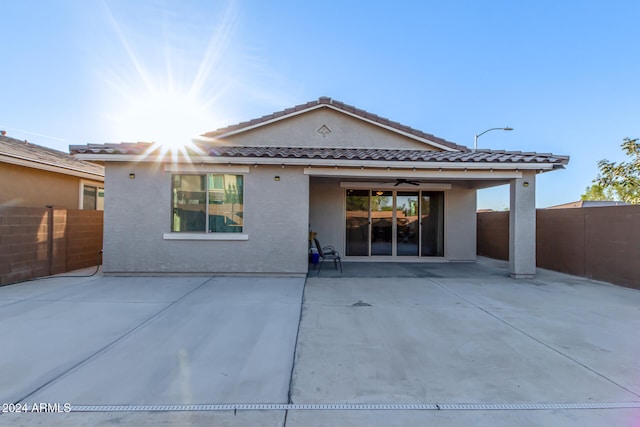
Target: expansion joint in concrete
{"x": 539, "y": 341}
{"x": 112, "y": 343}
{"x": 295, "y": 348}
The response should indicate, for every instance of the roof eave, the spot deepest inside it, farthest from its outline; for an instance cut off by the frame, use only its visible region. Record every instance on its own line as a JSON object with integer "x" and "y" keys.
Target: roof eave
{"x": 541, "y": 166}
{"x": 18, "y": 161}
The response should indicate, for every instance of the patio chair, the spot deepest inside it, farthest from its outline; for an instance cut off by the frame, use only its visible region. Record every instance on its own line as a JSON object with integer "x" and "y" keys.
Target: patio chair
{"x": 328, "y": 252}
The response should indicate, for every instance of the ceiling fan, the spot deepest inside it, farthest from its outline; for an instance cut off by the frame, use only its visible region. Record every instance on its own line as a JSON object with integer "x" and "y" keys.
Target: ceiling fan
{"x": 405, "y": 181}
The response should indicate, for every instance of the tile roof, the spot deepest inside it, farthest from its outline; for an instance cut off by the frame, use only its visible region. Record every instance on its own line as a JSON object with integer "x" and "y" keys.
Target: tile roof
{"x": 39, "y": 155}
{"x": 338, "y": 105}
{"x": 363, "y": 154}
{"x": 134, "y": 148}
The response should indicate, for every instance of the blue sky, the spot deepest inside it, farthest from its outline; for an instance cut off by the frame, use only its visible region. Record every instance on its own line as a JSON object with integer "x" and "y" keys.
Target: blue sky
{"x": 564, "y": 74}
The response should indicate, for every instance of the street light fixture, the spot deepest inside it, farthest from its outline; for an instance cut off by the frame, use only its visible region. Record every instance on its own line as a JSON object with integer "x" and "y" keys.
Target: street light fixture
{"x": 475, "y": 140}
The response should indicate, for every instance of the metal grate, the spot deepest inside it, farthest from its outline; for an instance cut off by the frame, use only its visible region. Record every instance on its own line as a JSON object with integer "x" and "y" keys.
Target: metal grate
{"x": 360, "y": 407}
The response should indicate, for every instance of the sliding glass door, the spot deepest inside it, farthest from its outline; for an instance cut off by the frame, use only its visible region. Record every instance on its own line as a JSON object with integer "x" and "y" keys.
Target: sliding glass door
{"x": 394, "y": 223}
{"x": 357, "y": 241}
{"x": 407, "y": 231}
{"x": 432, "y": 221}
{"x": 382, "y": 223}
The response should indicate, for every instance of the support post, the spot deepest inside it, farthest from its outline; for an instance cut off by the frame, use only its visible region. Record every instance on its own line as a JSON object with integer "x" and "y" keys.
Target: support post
{"x": 522, "y": 226}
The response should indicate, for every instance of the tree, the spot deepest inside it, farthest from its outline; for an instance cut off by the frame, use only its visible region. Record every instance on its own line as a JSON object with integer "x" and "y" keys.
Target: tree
{"x": 596, "y": 192}
{"x": 620, "y": 180}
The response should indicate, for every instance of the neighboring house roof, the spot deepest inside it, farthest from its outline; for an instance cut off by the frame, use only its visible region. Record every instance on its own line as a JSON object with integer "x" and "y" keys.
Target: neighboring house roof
{"x": 326, "y": 102}
{"x": 27, "y": 154}
{"x": 589, "y": 204}
{"x": 383, "y": 155}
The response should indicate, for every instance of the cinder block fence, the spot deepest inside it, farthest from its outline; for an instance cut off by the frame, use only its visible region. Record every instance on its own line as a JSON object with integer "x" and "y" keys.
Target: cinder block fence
{"x": 601, "y": 243}
{"x": 38, "y": 242}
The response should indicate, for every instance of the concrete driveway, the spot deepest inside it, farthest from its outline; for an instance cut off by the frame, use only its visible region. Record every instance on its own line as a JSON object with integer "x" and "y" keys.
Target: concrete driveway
{"x": 424, "y": 344}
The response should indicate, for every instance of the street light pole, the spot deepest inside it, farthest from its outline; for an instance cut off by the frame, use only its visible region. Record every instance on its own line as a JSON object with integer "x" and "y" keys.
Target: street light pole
{"x": 475, "y": 140}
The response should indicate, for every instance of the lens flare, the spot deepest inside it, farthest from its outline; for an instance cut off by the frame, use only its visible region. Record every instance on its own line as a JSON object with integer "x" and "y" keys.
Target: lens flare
{"x": 170, "y": 105}
{"x": 168, "y": 119}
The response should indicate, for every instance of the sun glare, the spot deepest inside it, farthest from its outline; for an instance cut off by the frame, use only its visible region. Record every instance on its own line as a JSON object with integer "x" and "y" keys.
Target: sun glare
{"x": 169, "y": 105}
{"x": 170, "y": 119}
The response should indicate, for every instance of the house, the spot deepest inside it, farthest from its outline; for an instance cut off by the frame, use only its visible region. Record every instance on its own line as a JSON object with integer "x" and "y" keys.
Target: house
{"x": 589, "y": 204}
{"x": 244, "y": 198}
{"x": 37, "y": 176}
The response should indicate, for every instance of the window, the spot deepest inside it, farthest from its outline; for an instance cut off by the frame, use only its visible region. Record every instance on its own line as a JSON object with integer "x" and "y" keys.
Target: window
{"x": 92, "y": 197}
{"x": 211, "y": 203}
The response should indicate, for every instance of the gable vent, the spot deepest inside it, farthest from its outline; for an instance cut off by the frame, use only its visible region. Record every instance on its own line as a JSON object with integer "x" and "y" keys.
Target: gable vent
{"x": 324, "y": 130}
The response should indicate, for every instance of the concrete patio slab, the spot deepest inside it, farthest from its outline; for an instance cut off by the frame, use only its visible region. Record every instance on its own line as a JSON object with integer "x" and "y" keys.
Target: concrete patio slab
{"x": 590, "y": 323}
{"x": 133, "y": 289}
{"x": 119, "y": 340}
{"x": 313, "y": 418}
{"x": 484, "y": 268}
{"x": 148, "y": 419}
{"x": 427, "y": 334}
{"x": 44, "y": 339}
{"x": 231, "y": 340}
{"x": 360, "y": 344}
{"x": 40, "y": 288}
{"x": 577, "y": 418}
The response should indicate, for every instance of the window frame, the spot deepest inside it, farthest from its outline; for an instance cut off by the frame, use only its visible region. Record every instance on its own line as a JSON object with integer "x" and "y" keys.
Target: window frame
{"x": 205, "y": 234}
{"x": 99, "y": 205}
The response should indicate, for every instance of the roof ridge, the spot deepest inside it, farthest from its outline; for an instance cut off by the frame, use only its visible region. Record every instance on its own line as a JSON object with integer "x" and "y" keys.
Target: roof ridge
{"x": 27, "y": 143}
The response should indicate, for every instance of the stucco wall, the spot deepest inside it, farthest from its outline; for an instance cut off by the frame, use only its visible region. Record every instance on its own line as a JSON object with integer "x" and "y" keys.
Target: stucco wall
{"x": 138, "y": 213}
{"x": 346, "y": 132}
{"x": 460, "y": 224}
{"x": 36, "y": 188}
{"x": 327, "y": 218}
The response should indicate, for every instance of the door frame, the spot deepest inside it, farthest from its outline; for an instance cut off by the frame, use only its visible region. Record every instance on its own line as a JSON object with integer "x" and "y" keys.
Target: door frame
{"x": 370, "y": 187}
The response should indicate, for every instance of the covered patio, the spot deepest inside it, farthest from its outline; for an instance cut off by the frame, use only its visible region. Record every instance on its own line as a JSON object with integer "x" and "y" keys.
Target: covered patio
{"x": 421, "y": 207}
